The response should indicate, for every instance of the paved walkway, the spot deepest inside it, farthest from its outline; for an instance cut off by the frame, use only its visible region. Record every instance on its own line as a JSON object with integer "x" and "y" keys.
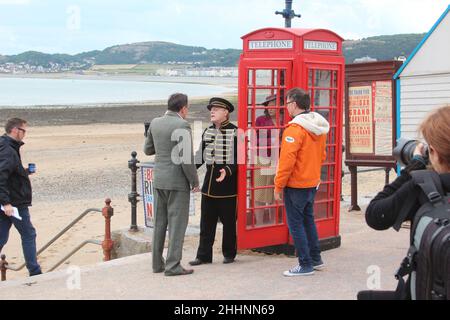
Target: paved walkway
{"x": 253, "y": 276}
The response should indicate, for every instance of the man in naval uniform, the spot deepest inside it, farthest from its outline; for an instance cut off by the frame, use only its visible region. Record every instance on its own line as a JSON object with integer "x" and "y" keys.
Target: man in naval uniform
{"x": 219, "y": 192}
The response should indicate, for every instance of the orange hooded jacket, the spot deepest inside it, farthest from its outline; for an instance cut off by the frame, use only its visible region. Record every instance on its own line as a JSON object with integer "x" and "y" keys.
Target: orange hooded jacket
{"x": 302, "y": 152}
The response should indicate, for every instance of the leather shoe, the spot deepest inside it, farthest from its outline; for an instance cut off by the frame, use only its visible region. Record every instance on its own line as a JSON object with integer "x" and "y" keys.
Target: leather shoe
{"x": 228, "y": 260}
{"x": 197, "y": 262}
{"x": 182, "y": 273}
{"x": 159, "y": 270}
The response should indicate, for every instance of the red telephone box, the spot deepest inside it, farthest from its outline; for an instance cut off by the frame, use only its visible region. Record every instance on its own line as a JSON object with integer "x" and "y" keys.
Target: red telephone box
{"x": 273, "y": 61}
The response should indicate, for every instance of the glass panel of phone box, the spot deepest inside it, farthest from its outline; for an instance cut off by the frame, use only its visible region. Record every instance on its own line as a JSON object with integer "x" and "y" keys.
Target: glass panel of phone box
{"x": 322, "y": 85}
{"x": 265, "y": 121}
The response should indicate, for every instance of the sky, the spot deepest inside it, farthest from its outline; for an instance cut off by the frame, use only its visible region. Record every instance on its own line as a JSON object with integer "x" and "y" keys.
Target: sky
{"x": 74, "y": 26}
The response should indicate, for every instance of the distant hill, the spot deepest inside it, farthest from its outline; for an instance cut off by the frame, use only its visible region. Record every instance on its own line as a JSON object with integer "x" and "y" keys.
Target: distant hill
{"x": 157, "y": 52}
{"x": 382, "y": 47}
{"x": 38, "y": 58}
{"x": 154, "y": 52}
{"x": 165, "y": 52}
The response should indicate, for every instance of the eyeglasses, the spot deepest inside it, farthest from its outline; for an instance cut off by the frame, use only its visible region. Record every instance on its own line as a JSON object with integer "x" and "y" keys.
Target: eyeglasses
{"x": 289, "y": 102}
{"x": 21, "y": 129}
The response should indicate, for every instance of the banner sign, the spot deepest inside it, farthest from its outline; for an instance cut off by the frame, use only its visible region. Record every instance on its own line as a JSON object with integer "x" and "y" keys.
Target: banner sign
{"x": 148, "y": 198}
{"x": 147, "y": 193}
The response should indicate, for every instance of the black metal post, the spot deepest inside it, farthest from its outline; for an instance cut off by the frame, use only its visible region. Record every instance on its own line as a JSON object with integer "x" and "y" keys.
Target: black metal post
{"x": 132, "y": 197}
{"x": 386, "y": 180}
{"x": 288, "y": 14}
{"x": 354, "y": 192}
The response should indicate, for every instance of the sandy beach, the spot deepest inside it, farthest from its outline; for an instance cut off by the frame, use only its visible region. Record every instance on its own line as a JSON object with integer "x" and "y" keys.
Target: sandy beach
{"x": 82, "y": 158}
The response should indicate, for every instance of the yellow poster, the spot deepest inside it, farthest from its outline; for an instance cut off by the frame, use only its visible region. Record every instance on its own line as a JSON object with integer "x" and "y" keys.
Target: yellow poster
{"x": 361, "y": 123}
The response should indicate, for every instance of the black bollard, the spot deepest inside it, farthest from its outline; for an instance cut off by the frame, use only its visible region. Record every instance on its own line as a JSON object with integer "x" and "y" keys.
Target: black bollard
{"x": 132, "y": 197}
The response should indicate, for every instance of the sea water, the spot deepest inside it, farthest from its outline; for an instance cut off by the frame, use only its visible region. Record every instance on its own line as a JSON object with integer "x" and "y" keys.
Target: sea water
{"x": 28, "y": 92}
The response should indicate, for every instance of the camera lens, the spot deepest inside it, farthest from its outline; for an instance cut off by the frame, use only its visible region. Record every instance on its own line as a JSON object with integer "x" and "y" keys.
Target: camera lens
{"x": 404, "y": 151}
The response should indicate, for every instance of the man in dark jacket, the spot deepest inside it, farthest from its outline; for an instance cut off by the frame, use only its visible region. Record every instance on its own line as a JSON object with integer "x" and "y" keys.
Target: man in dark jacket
{"x": 15, "y": 192}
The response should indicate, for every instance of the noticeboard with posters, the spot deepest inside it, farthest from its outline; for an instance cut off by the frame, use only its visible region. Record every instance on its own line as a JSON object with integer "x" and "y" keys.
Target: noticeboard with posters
{"x": 148, "y": 195}
{"x": 370, "y": 114}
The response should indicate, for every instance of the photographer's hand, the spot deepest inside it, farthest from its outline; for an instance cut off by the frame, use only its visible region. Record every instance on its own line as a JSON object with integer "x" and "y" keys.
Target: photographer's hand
{"x": 420, "y": 150}
{"x": 418, "y": 161}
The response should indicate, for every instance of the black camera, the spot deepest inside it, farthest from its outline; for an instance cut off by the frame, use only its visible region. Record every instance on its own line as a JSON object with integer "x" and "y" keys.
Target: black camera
{"x": 404, "y": 151}
{"x": 146, "y": 126}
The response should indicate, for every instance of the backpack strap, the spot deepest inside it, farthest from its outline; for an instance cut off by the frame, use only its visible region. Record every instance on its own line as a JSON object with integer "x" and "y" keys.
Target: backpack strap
{"x": 431, "y": 185}
{"x": 402, "y": 290}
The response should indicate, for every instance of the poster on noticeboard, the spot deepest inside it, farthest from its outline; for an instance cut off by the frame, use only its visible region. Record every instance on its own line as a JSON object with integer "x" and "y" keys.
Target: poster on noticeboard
{"x": 360, "y": 116}
{"x": 382, "y": 91}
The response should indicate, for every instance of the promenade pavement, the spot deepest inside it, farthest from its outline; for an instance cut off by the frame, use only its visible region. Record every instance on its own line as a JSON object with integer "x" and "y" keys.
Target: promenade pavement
{"x": 366, "y": 258}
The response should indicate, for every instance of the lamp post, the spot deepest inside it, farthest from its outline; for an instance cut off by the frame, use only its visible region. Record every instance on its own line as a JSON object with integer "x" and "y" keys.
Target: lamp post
{"x": 288, "y": 14}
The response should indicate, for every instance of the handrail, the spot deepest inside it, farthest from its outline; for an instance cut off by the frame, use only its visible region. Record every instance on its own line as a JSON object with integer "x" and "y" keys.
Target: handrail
{"x": 98, "y": 242}
{"x": 59, "y": 235}
{"x": 107, "y": 243}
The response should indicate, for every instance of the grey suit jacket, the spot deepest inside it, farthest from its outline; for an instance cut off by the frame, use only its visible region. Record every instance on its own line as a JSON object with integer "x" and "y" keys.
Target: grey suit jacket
{"x": 169, "y": 138}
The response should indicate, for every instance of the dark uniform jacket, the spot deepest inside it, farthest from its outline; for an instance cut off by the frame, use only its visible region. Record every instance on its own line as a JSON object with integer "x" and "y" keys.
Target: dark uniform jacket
{"x": 15, "y": 186}
{"x": 219, "y": 151}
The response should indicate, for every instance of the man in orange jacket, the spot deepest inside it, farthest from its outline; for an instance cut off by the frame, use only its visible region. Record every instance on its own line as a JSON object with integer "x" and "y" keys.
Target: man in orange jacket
{"x": 298, "y": 175}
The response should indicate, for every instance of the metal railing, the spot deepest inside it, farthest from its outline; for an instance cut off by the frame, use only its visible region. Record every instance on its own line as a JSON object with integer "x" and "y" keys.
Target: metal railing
{"x": 107, "y": 243}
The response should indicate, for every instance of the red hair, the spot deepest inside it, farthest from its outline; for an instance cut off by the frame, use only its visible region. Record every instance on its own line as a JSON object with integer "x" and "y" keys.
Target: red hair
{"x": 436, "y": 131}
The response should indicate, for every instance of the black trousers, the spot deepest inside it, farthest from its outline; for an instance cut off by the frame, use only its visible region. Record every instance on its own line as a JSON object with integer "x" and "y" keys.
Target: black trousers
{"x": 213, "y": 209}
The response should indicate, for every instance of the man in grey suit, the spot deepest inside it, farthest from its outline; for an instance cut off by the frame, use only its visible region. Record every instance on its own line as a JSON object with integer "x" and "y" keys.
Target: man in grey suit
{"x": 169, "y": 138}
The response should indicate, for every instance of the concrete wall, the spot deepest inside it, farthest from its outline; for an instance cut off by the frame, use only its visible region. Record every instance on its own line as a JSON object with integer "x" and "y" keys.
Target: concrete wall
{"x": 128, "y": 243}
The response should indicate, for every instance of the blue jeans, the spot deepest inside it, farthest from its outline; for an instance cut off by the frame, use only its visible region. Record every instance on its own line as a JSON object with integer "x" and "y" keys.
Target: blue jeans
{"x": 28, "y": 235}
{"x": 299, "y": 205}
